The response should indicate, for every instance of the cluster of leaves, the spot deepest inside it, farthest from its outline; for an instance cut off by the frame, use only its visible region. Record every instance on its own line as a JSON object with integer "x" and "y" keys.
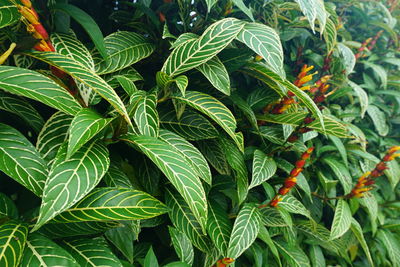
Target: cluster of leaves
{"x": 153, "y": 145}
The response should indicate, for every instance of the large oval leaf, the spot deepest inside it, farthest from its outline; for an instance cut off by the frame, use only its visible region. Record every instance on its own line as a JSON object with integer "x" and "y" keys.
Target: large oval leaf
{"x": 341, "y": 172}
{"x": 146, "y": 115}
{"x": 263, "y": 168}
{"x": 342, "y": 219}
{"x": 108, "y": 204}
{"x": 183, "y": 246}
{"x": 36, "y": 86}
{"x": 379, "y": 119}
{"x": 12, "y": 241}
{"x": 21, "y": 161}
{"x": 195, "y": 52}
{"x": 177, "y": 170}
{"x": 219, "y": 227}
{"x": 41, "y": 251}
{"x": 123, "y": 49}
{"x": 215, "y": 71}
{"x": 71, "y": 179}
{"x": 245, "y": 230}
{"x": 314, "y": 9}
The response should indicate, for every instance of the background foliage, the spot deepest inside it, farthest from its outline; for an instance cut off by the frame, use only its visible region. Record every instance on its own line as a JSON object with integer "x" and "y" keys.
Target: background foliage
{"x": 159, "y": 133}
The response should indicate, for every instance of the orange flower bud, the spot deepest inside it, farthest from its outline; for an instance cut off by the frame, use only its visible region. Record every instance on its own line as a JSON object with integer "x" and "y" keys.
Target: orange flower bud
{"x": 29, "y": 14}
{"x": 375, "y": 173}
{"x": 290, "y": 182}
{"x": 26, "y": 3}
{"x": 258, "y": 58}
{"x": 227, "y": 260}
{"x": 274, "y": 202}
{"x": 295, "y": 172}
{"x": 300, "y": 163}
{"x": 287, "y": 101}
{"x": 283, "y": 191}
{"x": 381, "y": 166}
{"x": 393, "y": 149}
{"x": 41, "y": 30}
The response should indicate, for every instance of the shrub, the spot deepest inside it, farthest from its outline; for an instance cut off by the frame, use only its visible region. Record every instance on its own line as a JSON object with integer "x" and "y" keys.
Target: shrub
{"x": 199, "y": 133}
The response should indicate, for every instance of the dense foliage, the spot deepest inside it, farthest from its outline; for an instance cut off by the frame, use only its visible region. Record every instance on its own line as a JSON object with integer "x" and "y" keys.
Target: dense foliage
{"x": 199, "y": 133}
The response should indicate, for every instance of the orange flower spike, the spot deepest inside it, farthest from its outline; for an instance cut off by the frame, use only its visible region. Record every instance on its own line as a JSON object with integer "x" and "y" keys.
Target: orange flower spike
{"x": 290, "y": 182}
{"x": 392, "y": 157}
{"x": 26, "y": 3}
{"x": 29, "y": 14}
{"x": 224, "y": 262}
{"x": 283, "y": 191}
{"x": 295, "y": 172}
{"x": 306, "y": 79}
{"x": 41, "y": 30}
{"x": 393, "y": 149}
{"x": 274, "y": 202}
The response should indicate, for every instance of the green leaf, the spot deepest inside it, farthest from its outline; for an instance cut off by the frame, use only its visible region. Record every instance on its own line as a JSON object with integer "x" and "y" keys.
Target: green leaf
{"x": 214, "y": 152}
{"x": 183, "y": 38}
{"x": 12, "y": 241}
{"x": 23, "y": 109}
{"x": 342, "y": 219}
{"x": 184, "y": 220}
{"x": 41, "y": 251}
{"x": 378, "y": 70}
{"x": 177, "y": 170}
{"x": 183, "y": 246}
{"x": 219, "y": 227}
{"x": 150, "y": 260}
{"x": 317, "y": 257}
{"x": 264, "y": 167}
{"x": 52, "y": 135}
{"x": 123, "y": 237}
{"x": 379, "y": 119}
{"x": 91, "y": 252}
{"x": 293, "y": 254}
{"x": 213, "y": 108}
{"x": 190, "y": 153}
{"x": 358, "y": 232}
{"x": 210, "y": 4}
{"x": 60, "y": 230}
{"x": 164, "y": 81}
{"x": 71, "y": 179}
{"x": 85, "y": 76}
{"x": 245, "y": 230}
{"x": 7, "y": 207}
{"x": 275, "y": 217}
{"x": 264, "y": 41}
{"x": 109, "y": 204}
{"x": 340, "y": 147}
{"x": 314, "y": 9}
{"x": 21, "y": 161}
{"x": 195, "y": 52}
{"x": 348, "y": 57}
{"x": 392, "y": 245}
{"x": 292, "y": 205}
{"x": 191, "y": 125}
{"x": 330, "y": 35}
{"x": 244, "y": 8}
{"x": 341, "y": 172}
{"x": 87, "y": 23}
{"x": 362, "y": 97}
{"x": 85, "y": 125}
{"x": 146, "y": 116}
{"x": 38, "y": 87}
{"x": 8, "y": 13}
{"x": 115, "y": 177}
{"x": 123, "y": 49}
{"x": 264, "y": 235}
{"x": 246, "y": 109}
{"x": 215, "y": 71}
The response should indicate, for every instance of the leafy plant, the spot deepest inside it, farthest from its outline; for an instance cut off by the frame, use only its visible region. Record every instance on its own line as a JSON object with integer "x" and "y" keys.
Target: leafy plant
{"x": 199, "y": 133}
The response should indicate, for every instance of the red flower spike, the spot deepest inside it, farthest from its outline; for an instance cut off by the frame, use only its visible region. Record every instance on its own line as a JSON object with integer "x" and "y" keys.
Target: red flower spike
{"x": 375, "y": 173}
{"x": 283, "y": 191}
{"x": 295, "y": 172}
{"x": 386, "y": 157}
{"x": 393, "y": 149}
{"x": 370, "y": 182}
{"x": 290, "y": 182}
{"x": 381, "y": 166}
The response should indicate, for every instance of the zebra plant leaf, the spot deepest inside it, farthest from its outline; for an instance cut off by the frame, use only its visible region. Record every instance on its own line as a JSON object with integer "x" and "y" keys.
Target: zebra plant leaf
{"x": 109, "y": 204}
{"x": 52, "y": 135}
{"x": 123, "y": 49}
{"x": 314, "y": 9}
{"x": 245, "y": 230}
{"x": 21, "y": 161}
{"x": 8, "y": 13}
{"x": 41, "y": 251}
{"x": 71, "y": 179}
{"x": 265, "y": 42}
{"x": 12, "y": 242}
{"x": 38, "y": 87}
{"x": 177, "y": 169}
{"x": 195, "y": 52}
{"x": 164, "y": 81}
{"x": 358, "y": 232}
{"x": 215, "y": 71}
{"x": 115, "y": 177}
{"x": 190, "y": 153}
{"x": 91, "y": 252}
{"x": 219, "y": 227}
{"x": 8, "y": 209}
{"x": 146, "y": 115}
{"x": 89, "y": 78}
{"x": 342, "y": 219}
{"x": 264, "y": 167}
{"x": 85, "y": 125}
{"x": 183, "y": 246}
{"x": 213, "y": 108}
{"x": 184, "y": 220}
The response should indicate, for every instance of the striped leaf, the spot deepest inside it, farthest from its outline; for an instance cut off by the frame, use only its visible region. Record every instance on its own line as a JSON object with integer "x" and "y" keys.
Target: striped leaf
{"x": 177, "y": 169}
{"x": 22, "y": 109}
{"x": 349, "y": 59}
{"x": 362, "y": 97}
{"x": 292, "y": 205}
{"x": 41, "y": 251}
{"x": 330, "y": 35}
{"x": 210, "y": 4}
{"x": 358, "y": 232}
{"x": 71, "y": 179}
{"x": 341, "y": 172}
{"x": 293, "y": 254}
{"x": 317, "y": 257}
{"x": 183, "y": 38}
{"x": 60, "y": 230}
{"x": 115, "y": 177}
{"x": 215, "y": 71}
{"x": 146, "y": 115}
{"x": 264, "y": 41}
{"x": 38, "y": 87}
{"x": 378, "y": 117}
{"x": 195, "y": 52}
{"x": 84, "y": 75}
{"x": 219, "y": 227}
{"x": 332, "y": 126}
{"x": 12, "y": 241}
{"x": 123, "y": 237}
{"x": 164, "y": 81}
{"x": 214, "y": 152}
{"x": 314, "y": 9}
{"x": 264, "y": 167}
{"x": 91, "y": 252}
{"x": 8, "y": 13}
{"x": 273, "y": 217}
{"x": 110, "y": 204}
{"x": 21, "y": 161}
{"x": 245, "y": 230}
{"x": 184, "y": 220}
{"x": 85, "y": 125}
{"x": 243, "y": 8}
{"x": 52, "y": 135}
{"x": 342, "y": 219}
{"x": 123, "y": 49}
{"x": 191, "y": 125}
{"x": 7, "y": 207}
{"x": 183, "y": 246}
{"x": 392, "y": 245}
{"x": 190, "y": 153}
{"x": 213, "y": 108}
